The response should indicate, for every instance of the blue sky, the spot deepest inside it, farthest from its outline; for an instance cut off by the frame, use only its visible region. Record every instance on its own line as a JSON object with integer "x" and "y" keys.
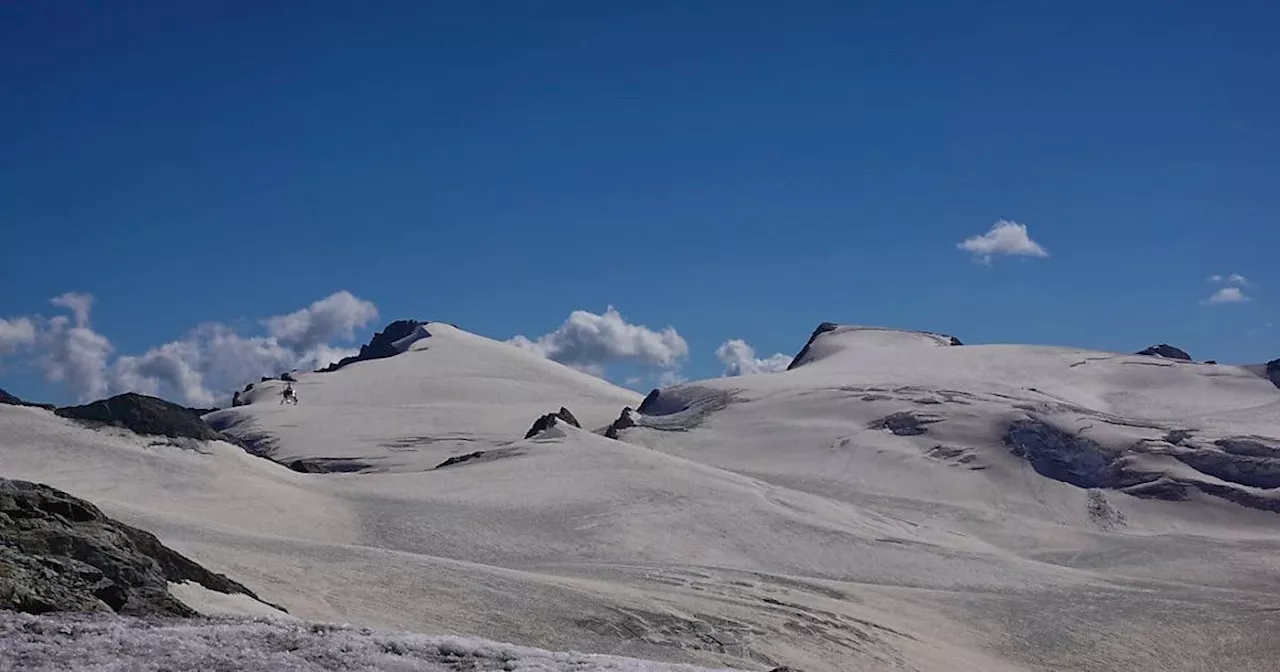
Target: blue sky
{"x": 730, "y": 170}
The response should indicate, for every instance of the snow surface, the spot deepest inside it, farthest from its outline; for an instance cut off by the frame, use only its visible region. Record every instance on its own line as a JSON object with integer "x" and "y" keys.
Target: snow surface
{"x": 56, "y": 643}
{"x": 746, "y": 522}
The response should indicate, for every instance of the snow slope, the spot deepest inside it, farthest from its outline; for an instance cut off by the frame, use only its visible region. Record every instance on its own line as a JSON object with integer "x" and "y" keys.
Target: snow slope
{"x": 861, "y": 511}
{"x": 447, "y": 393}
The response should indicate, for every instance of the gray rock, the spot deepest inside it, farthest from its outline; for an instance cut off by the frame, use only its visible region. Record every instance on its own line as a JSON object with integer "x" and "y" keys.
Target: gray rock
{"x": 549, "y": 420}
{"x": 143, "y": 415}
{"x": 381, "y": 346}
{"x": 905, "y": 423}
{"x": 1165, "y": 350}
{"x": 624, "y": 421}
{"x": 60, "y": 553}
{"x": 1273, "y": 371}
{"x": 822, "y": 329}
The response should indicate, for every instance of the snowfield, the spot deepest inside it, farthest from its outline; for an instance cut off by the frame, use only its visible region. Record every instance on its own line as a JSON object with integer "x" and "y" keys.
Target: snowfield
{"x": 56, "y": 643}
{"x": 891, "y": 502}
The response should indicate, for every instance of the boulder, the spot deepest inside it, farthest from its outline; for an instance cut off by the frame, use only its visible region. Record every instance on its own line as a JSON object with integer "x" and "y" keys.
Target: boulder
{"x": 549, "y": 420}
{"x": 1165, "y": 350}
{"x": 382, "y": 345}
{"x": 143, "y": 415}
{"x": 60, "y": 553}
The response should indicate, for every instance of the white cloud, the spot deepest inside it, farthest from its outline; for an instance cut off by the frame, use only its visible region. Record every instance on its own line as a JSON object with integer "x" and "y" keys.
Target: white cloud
{"x": 740, "y": 359}
{"x": 16, "y": 333}
{"x": 1227, "y": 295}
{"x": 202, "y": 368}
{"x": 590, "y": 342}
{"x": 334, "y": 317}
{"x": 671, "y": 378}
{"x": 1004, "y": 238}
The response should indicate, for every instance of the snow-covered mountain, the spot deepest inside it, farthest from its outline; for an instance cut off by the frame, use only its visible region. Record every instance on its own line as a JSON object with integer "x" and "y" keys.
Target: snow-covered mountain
{"x": 893, "y": 501}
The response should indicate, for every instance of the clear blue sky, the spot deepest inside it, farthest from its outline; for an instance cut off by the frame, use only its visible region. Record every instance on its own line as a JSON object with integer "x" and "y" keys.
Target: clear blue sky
{"x": 734, "y": 170}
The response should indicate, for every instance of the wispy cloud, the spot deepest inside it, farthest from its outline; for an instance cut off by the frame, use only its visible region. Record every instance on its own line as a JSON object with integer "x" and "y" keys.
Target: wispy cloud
{"x": 590, "y": 342}
{"x": 201, "y": 368}
{"x": 1005, "y": 238}
{"x": 1230, "y": 279}
{"x": 740, "y": 359}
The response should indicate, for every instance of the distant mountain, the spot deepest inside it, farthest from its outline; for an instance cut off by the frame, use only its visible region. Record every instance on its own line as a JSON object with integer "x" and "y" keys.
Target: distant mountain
{"x": 891, "y": 501}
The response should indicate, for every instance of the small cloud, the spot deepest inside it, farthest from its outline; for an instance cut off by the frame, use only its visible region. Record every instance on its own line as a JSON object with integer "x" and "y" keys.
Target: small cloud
{"x": 77, "y": 303}
{"x": 1227, "y": 295}
{"x": 1005, "y": 238}
{"x": 739, "y": 359}
{"x": 589, "y": 342}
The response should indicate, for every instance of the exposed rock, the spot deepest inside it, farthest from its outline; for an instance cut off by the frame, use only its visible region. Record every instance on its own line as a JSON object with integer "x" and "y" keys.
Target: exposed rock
{"x": 955, "y": 341}
{"x": 1167, "y": 351}
{"x": 649, "y": 400}
{"x": 201, "y": 411}
{"x": 143, "y": 415}
{"x": 1062, "y": 456}
{"x": 459, "y": 459}
{"x": 382, "y": 345}
{"x": 1273, "y": 371}
{"x": 549, "y": 420}
{"x": 1210, "y": 361}
{"x": 237, "y": 401}
{"x": 328, "y": 465}
{"x": 6, "y": 398}
{"x": 822, "y": 329}
{"x": 624, "y": 421}
{"x": 905, "y": 423}
{"x": 287, "y": 376}
{"x": 60, "y": 553}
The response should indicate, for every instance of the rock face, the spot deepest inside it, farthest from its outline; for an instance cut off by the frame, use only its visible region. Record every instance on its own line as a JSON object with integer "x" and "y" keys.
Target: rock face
{"x": 822, "y": 329}
{"x": 60, "y": 553}
{"x": 1273, "y": 372}
{"x": 624, "y": 421}
{"x": 143, "y": 415}
{"x": 6, "y": 398}
{"x": 549, "y": 420}
{"x": 1165, "y": 350}
{"x": 382, "y": 345}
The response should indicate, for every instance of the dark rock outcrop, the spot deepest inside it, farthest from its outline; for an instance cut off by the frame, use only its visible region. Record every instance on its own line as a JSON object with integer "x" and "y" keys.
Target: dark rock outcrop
{"x": 649, "y": 401}
{"x": 60, "y": 553}
{"x": 1063, "y": 456}
{"x": 904, "y": 423}
{"x": 1165, "y": 350}
{"x": 549, "y": 420}
{"x": 955, "y": 341}
{"x": 1273, "y": 371}
{"x": 459, "y": 459}
{"x": 381, "y": 346}
{"x": 143, "y": 415}
{"x": 624, "y": 421}
{"x": 6, "y": 398}
{"x": 328, "y": 465}
{"x": 822, "y": 329}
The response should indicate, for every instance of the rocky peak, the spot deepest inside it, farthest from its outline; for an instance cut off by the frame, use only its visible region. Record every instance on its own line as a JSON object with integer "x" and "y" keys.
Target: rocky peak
{"x": 1165, "y": 350}
{"x": 143, "y": 415}
{"x": 382, "y": 345}
{"x": 549, "y": 420}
